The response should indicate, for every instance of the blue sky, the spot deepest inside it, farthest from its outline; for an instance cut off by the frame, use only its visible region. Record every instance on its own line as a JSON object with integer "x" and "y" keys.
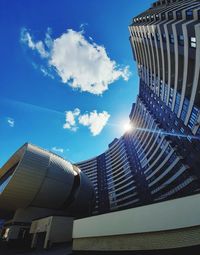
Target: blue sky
{"x": 68, "y": 78}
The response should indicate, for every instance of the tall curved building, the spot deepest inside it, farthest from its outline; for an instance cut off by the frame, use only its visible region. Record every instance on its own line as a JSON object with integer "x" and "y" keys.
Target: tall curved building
{"x": 112, "y": 175}
{"x": 159, "y": 159}
{"x": 166, "y": 46}
{"x": 153, "y": 169}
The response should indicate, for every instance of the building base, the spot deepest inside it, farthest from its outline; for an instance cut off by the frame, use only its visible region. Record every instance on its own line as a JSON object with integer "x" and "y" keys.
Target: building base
{"x": 144, "y": 241}
{"x": 194, "y": 250}
{"x": 161, "y": 226}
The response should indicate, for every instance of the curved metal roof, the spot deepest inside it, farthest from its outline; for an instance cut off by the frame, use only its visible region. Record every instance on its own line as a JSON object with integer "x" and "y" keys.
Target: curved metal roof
{"x": 39, "y": 178}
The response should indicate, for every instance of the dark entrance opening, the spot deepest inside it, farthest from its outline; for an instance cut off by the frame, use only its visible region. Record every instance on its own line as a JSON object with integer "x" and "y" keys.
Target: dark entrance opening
{"x": 40, "y": 238}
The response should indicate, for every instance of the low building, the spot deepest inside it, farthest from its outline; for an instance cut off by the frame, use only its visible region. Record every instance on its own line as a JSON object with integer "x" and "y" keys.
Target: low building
{"x": 36, "y": 183}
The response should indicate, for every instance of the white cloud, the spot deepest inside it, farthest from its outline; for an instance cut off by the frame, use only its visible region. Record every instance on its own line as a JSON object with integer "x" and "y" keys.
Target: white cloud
{"x": 70, "y": 122}
{"x": 57, "y": 149}
{"x": 94, "y": 121}
{"x": 79, "y": 62}
{"x": 38, "y": 46}
{"x": 11, "y": 122}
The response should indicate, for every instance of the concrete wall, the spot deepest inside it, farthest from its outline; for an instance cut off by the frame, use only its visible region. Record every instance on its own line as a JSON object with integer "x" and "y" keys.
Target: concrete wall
{"x": 41, "y": 225}
{"x": 144, "y": 241}
{"x": 175, "y": 219}
{"x": 58, "y": 229}
{"x": 61, "y": 229}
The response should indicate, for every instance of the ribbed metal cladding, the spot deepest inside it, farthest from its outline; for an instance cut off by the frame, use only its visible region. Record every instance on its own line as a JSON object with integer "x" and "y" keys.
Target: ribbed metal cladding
{"x": 84, "y": 197}
{"x": 26, "y": 179}
{"x": 57, "y": 183}
{"x": 89, "y": 167}
{"x": 43, "y": 179}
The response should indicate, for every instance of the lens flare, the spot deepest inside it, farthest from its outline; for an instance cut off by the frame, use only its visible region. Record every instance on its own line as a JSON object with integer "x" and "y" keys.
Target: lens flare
{"x": 128, "y": 127}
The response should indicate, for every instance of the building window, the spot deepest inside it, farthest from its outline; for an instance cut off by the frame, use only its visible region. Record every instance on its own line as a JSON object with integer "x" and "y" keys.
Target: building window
{"x": 171, "y": 38}
{"x": 161, "y": 87}
{"x": 185, "y": 109}
{"x": 193, "y": 117}
{"x": 170, "y": 15}
{"x": 177, "y": 103}
{"x": 157, "y": 17}
{"x": 189, "y": 138}
{"x": 164, "y": 37}
{"x": 171, "y": 97}
{"x": 189, "y": 14}
{"x": 165, "y": 92}
{"x": 163, "y": 16}
{"x": 158, "y": 36}
{"x": 193, "y": 42}
{"x": 181, "y": 40}
{"x": 182, "y": 130}
{"x": 179, "y": 15}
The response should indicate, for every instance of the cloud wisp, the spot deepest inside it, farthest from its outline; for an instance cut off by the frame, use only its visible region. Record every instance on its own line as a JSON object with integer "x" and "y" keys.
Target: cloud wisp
{"x": 78, "y": 61}
{"x": 57, "y": 149}
{"x": 11, "y": 122}
{"x": 38, "y": 46}
{"x": 94, "y": 121}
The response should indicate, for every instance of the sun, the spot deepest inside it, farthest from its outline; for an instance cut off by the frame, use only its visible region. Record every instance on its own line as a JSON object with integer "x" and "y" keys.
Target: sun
{"x": 128, "y": 127}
